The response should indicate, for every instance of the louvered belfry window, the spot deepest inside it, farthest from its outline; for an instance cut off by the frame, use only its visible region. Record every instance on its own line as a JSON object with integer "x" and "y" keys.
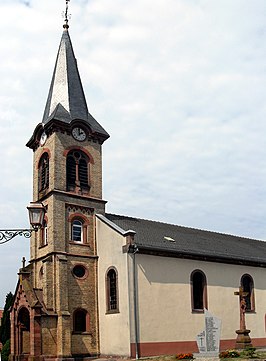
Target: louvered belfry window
{"x": 83, "y": 173}
{"x": 77, "y": 172}
{"x": 44, "y": 172}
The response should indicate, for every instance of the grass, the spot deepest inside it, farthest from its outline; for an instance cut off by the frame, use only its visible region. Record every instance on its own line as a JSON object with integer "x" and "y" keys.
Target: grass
{"x": 257, "y": 355}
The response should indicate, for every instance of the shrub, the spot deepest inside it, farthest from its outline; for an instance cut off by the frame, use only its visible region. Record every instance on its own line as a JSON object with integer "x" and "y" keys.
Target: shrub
{"x": 249, "y": 352}
{"x": 5, "y": 351}
{"x": 229, "y": 354}
{"x": 185, "y": 356}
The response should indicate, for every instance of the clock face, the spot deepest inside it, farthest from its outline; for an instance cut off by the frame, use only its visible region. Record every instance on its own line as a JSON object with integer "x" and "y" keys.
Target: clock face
{"x": 78, "y": 134}
{"x": 43, "y": 138}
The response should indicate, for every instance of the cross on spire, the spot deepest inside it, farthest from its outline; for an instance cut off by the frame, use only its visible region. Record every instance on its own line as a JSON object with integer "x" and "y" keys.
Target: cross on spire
{"x": 66, "y": 26}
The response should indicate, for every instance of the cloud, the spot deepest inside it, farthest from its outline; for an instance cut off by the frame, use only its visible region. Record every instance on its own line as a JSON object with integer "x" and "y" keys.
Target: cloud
{"x": 26, "y": 3}
{"x": 181, "y": 90}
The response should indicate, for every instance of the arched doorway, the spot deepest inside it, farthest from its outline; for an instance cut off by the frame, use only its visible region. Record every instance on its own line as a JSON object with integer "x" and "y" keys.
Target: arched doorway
{"x": 24, "y": 330}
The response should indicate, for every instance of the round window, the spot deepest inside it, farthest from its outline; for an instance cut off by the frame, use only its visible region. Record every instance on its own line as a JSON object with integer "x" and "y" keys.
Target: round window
{"x": 79, "y": 271}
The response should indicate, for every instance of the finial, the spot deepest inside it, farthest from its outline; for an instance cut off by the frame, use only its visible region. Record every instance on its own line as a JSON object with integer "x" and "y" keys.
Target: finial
{"x": 66, "y": 26}
{"x": 23, "y": 262}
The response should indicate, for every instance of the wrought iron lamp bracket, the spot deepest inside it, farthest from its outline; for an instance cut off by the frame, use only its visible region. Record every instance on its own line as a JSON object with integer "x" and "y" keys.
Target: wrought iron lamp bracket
{"x": 8, "y": 234}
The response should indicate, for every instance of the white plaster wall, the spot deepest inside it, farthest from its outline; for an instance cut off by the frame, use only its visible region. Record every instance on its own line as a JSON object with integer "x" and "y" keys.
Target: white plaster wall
{"x": 164, "y": 298}
{"x": 113, "y": 328}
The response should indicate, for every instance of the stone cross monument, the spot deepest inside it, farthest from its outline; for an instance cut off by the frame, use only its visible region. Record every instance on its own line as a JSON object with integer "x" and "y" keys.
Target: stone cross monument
{"x": 243, "y": 340}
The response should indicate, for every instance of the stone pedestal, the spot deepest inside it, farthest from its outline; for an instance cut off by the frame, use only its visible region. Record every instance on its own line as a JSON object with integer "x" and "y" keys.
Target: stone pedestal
{"x": 243, "y": 340}
{"x": 206, "y": 356}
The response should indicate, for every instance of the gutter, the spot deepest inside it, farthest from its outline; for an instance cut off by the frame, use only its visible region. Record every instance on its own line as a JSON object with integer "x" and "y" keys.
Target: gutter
{"x": 133, "y": 249}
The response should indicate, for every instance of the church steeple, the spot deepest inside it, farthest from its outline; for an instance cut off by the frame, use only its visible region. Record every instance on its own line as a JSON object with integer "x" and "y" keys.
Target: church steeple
{"x": 67, "y": 179}
{"x": 66, "y": 102}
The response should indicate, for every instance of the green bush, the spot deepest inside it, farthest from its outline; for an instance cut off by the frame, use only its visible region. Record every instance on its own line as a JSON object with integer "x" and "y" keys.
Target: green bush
{"x": 249, "y": 352}
{"x": 5, "y": 351}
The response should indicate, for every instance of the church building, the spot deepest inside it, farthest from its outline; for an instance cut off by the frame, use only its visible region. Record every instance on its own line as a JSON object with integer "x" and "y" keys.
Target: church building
{"x": 105, "y": 284}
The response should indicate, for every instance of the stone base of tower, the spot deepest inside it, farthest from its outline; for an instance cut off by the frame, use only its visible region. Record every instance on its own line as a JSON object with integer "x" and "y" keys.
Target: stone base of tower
{"x": 38, "y": 358}
{"x": 51, "y": 358}
{"x": 38, "y": 334}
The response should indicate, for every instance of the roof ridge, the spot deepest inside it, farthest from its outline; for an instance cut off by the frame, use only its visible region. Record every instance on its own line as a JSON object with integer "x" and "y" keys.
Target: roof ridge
{"x": 188, "y": 228}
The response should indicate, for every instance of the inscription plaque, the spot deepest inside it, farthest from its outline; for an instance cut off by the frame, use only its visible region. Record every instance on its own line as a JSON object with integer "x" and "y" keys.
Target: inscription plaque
{"x": 208, "y": 340}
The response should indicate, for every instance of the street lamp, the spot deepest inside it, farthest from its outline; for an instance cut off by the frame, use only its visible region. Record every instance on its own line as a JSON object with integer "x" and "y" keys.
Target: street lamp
{"x": 36, "y": 216}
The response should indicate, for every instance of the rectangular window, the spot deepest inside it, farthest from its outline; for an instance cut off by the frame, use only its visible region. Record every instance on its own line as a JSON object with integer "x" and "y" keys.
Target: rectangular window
{"x": 77, "y": 231}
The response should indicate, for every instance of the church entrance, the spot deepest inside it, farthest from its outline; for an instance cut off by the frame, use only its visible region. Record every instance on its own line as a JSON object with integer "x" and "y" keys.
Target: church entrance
{"x": 24, "y": 331}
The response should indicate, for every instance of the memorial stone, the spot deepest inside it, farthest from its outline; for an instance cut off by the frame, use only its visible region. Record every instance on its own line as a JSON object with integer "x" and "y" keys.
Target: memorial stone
{"x": 208, "y": 340}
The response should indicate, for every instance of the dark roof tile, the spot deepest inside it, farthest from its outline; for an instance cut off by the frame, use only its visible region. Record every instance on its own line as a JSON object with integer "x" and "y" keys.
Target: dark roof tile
{"x": 192, "y": 243}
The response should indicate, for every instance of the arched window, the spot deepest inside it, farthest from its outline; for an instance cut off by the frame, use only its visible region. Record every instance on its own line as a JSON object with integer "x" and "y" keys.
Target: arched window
{"x": 24, "y": 318}
{"x": 112, "y": 290}
{"x": 24, "y": 330}
{"x": 77, "y": 230}
{"x": 80, "y": 320}
{"x": 248, "y": 286}
{"x": 198, "y": 291}
{"x": 77, "y": 172}
{"x": 44, "y": 234}
{"x": 44, "y": 172}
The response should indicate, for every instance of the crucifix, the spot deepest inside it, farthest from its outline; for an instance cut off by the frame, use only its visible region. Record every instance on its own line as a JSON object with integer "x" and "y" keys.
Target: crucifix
{"x": 23, "y": 262}
{"x": 243, "y": 306}
{"x": 243, "y": 340}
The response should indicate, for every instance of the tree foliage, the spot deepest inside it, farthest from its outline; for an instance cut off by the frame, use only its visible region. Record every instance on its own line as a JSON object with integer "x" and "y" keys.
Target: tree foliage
{"x": 5, "y": 323}
{"x": 5, "y": 351}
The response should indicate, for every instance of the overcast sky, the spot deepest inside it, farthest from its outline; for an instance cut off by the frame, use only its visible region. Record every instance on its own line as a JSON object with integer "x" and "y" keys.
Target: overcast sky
{"x": 180, "y": 86}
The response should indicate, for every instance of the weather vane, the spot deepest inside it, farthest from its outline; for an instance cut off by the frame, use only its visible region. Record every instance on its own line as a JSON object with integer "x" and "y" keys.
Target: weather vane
{"x": 66, "y": 26}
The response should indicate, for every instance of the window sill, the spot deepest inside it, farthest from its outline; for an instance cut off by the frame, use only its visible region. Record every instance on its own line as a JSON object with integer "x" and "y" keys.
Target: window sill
{"x": 79, "y": 192}
{"x": 197, "y": 311}
{"x": 110, "y": 312}
{"x": 43, "y": 245}
{"x": 79, "y": 243}
{"x": 81, "y": 333}
{"x": 43, "y": 192}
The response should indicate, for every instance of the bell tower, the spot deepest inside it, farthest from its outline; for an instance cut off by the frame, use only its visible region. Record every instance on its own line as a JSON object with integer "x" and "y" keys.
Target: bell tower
{"x": 67, "y": 179}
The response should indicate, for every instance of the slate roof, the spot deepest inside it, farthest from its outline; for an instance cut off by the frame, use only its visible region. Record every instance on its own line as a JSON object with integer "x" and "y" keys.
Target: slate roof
{"x": 177, "y": 241}
{"x": 66, "y": 100}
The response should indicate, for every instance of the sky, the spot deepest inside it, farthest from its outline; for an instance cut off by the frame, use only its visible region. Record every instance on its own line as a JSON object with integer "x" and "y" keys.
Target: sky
{"x": 179, "y": 85}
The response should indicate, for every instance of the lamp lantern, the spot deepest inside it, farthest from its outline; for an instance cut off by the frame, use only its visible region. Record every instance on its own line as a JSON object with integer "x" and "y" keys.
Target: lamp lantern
{"x": 36, "y": 214}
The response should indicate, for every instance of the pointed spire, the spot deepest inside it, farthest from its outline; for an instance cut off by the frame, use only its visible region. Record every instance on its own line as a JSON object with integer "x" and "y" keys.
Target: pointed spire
{"x": 66, "y": 100}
